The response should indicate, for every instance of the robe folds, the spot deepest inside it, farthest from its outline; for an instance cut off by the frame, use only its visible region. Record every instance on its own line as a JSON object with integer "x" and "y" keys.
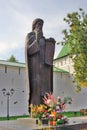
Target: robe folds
{"x": 39, "y": 67}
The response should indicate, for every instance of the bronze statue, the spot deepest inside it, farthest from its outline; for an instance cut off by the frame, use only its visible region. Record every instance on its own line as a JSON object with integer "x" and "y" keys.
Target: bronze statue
{"x": 39, "y": 55}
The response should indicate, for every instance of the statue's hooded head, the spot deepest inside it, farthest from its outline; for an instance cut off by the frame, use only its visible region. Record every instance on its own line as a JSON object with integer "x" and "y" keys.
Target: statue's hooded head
{"x": 35, "y": 22}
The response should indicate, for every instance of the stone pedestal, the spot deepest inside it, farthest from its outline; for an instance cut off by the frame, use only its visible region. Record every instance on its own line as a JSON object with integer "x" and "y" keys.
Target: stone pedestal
{"x": 27, "y": 121}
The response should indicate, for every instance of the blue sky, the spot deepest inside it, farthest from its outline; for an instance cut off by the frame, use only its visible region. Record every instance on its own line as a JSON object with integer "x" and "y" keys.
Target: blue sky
{"x": 16, "y": 18}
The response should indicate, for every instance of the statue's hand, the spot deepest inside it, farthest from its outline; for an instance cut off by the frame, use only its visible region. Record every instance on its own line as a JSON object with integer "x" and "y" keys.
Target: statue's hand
{"x": 36, "y": 33}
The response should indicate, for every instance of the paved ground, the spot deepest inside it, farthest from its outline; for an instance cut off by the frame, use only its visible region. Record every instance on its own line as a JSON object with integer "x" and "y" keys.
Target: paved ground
{"x": 15, "y": 125}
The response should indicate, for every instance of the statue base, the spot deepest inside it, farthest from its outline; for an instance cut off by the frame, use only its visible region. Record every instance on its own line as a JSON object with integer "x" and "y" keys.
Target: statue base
{"x": 75, "y": 123}
{"x": 27, "y": 121}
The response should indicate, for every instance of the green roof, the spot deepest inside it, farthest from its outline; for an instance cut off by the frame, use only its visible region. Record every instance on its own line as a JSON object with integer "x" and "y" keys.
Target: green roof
{"x": 55, "y": 69}
{"x": 15, "y": 64}
{"x": 64, "y": 51}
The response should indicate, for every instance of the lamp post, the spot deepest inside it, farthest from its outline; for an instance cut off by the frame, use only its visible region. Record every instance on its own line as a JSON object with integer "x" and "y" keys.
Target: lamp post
{"x": 8, "y": 93}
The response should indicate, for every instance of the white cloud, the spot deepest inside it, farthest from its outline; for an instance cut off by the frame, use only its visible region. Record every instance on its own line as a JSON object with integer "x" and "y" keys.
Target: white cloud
{"x": 17, "y": 16}
{"x": 5, "y": 48}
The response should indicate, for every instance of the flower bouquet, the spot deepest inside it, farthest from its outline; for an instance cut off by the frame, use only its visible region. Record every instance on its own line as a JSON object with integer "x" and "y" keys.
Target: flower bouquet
{"x": 56, "y": 105}
{"x": 51, "y": 110}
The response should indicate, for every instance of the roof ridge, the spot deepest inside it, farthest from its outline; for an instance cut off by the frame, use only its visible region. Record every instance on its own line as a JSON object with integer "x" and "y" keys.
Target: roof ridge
{"x": 59, "y": 69}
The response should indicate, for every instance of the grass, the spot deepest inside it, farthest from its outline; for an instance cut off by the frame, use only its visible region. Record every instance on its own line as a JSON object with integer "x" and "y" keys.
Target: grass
{"x": 68, "y": 114}
{"x": 13, "y": 117}
{"x": 71, "y": 114}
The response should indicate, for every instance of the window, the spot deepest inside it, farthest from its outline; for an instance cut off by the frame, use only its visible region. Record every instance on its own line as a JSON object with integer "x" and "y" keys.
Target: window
{"x": 61, "y": 63}
{"x": 65, "y": 60}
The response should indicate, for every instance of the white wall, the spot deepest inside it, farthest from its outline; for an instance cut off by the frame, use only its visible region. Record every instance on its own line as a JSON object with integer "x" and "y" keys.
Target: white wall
{"x": 62, "y": 83}
{"x": 63, "y": 86}
{"x": 18, "y": 101}
{"x": 65, "y": 63}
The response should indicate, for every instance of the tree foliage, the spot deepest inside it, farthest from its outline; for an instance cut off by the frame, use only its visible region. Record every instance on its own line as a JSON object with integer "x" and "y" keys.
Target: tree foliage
{"x": 12, "y": 59}
{"x": 76, "y": 37}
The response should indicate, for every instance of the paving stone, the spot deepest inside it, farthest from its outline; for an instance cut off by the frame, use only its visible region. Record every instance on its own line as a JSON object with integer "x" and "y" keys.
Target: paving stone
{"x": 15, "y": 125}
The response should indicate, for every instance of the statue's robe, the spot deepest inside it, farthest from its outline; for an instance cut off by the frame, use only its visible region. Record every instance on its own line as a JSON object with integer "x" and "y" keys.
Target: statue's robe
{"x": 39, "y": 67}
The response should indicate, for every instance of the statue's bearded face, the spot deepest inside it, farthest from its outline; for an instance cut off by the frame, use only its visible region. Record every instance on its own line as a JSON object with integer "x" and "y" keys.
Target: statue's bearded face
{"x": 38, "y": 27}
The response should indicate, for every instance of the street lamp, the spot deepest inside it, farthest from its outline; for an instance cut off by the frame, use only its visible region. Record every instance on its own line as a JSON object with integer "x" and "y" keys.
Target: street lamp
{"x": 8, "y": 93}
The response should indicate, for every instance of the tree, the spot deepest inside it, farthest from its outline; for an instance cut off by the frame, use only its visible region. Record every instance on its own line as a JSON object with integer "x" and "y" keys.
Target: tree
{"x": 76, "y": 37}
{"x": 12, "y": 59}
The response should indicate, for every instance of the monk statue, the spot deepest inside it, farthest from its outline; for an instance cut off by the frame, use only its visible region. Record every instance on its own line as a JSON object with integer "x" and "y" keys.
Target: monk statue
{"x": 39, "y": 53}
